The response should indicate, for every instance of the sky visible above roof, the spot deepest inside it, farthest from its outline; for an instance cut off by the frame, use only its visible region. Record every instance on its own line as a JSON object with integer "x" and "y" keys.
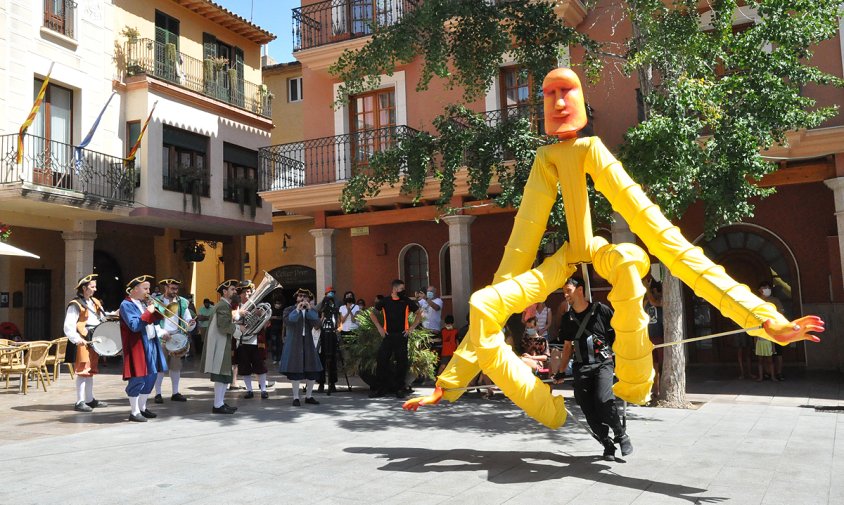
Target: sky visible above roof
{"x": 275, "y": 16}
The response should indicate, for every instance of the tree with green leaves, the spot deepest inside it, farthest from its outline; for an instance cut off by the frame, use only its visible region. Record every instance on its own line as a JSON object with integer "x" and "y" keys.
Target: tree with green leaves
{"x": 714, "y": 98}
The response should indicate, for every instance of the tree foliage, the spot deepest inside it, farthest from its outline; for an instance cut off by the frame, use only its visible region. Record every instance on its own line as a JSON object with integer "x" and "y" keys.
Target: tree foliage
{"x": 714, "y": 96}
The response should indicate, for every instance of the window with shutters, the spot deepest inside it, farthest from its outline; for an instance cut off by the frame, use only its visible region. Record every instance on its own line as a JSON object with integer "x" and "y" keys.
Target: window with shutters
{"x": 166, "y": 46}
{"x": 184, "y": 162}
{"x": 373, "y": 124}
{"x": 222, "y": 70}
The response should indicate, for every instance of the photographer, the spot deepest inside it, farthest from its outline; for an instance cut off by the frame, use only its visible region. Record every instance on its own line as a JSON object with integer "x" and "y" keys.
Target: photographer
{"x": 587, "y": 333}
{"x": 328, "y": 341}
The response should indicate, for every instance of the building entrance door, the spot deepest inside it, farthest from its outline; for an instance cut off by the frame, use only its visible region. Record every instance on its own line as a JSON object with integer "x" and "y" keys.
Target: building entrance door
{"x": 36, "y": 320}
{"x": 750, "y": 255}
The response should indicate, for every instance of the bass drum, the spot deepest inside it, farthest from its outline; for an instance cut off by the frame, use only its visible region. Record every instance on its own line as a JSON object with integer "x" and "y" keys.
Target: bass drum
{"x": 178, "y": 344}
{"x": 105, "y": 339}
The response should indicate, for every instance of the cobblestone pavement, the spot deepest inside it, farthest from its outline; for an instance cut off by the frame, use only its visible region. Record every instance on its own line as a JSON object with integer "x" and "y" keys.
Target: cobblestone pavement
{"x": 745, "y": 443}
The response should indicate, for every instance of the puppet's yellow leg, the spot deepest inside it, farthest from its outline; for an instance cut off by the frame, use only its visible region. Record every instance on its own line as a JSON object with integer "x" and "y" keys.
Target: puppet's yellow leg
{"x": 489, "y": 308}
{"x": 624, "y": 265}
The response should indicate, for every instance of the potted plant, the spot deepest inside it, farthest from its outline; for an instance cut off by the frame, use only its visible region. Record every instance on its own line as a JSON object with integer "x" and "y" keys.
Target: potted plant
{"x": 191, "y": 181}
{"x": 247, "y": 192}
{"x": 132, "y": 35}
{"x": 360, "y": 350}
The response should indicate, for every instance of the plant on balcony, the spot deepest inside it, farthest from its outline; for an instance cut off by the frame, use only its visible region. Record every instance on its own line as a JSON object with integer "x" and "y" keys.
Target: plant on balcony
{"x": 361, "y": 349}
{"x": 246, "y": 192}
{"x": 131, "y": 33}
{"x": 191, "y": 180}
{"x": 5, "y": 232}
{"x": 132, "y": 36}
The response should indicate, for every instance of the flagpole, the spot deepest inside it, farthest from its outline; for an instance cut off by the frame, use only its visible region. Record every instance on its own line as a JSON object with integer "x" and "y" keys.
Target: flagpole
{"x": 32, "y": 113}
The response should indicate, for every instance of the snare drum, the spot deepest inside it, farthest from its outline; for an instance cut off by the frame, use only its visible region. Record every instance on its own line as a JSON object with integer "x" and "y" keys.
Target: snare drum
{"x": 178, "y": 344}
{"x": 105, "y": 339}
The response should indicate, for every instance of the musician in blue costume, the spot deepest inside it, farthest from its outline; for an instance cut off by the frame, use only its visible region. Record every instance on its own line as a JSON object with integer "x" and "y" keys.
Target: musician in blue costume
{"x": 142, "y": 354}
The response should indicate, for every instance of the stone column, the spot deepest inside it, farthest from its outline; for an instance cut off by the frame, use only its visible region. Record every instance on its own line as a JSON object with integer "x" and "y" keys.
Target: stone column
{"x": 621, "y": 230}
{"x": 324, "y": 256}
{"x": 78, "y": 253}
{"x": 460, "y": 251}
{"x": 837, "y": 187}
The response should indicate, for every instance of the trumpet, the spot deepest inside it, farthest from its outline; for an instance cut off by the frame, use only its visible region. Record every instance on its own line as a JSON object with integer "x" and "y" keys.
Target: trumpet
{"x": 185, "y": 326}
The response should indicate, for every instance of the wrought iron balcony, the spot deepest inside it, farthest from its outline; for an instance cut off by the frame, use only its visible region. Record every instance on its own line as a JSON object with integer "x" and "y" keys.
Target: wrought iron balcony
{"x": 51, "y": 164}
{"x": 211, "y": 77}
{"x": 332, "y": 21}
{"x": 324, "y": 160}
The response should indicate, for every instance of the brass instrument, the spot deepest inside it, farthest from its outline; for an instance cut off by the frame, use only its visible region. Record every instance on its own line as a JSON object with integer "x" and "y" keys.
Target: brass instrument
{"x": 185, "y": 326}
{"x": 256, "y": 315}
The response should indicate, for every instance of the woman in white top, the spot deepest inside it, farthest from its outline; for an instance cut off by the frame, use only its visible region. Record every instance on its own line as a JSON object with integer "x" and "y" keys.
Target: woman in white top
{"x": 348, "y": 312}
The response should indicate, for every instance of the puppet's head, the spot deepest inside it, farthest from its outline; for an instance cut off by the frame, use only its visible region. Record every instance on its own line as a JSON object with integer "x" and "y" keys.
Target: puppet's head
{"x": 565, "y": 111}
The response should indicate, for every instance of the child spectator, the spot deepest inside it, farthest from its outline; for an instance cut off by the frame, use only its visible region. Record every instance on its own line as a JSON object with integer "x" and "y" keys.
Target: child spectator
{"x": 449, "y": 342}
{"x": 534, "y": 346}
{"x": 764, "y": 357}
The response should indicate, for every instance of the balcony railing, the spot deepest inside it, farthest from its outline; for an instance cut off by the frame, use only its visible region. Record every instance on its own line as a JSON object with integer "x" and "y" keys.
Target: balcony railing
{"x": 53, "y": 165}
{"x": 324, "y": 160}
{"x": 332, "y": 21}
{"x": 146, "y": 56}
{"x": 58, "y": 16}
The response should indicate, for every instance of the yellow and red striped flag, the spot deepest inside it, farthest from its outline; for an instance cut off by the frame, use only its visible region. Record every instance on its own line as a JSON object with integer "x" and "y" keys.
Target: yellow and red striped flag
{"x": 33, "y": 113}
{"x": 131, "y": 155}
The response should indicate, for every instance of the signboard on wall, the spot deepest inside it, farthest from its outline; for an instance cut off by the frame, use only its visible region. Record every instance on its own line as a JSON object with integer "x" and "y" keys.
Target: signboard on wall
{"x": 360, "y": 231}
{"x": 294, "y": 275}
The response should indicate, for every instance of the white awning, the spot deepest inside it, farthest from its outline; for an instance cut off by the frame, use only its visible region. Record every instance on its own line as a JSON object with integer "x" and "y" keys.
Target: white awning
{"x": 10, "y": 250}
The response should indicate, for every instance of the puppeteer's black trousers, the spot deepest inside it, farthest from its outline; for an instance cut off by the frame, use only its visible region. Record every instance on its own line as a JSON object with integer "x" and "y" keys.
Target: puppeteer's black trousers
{"x": 593, "y": 393}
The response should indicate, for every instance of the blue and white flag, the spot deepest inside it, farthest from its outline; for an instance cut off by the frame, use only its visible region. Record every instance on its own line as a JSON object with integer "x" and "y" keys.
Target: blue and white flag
{"x": 87, "y": 140}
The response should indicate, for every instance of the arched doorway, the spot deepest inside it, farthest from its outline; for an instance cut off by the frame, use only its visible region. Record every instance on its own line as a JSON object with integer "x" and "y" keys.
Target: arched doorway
{"x": 110, "y": 286}
{"x": 750, "y": 254}
{"x": 292, "y": 278}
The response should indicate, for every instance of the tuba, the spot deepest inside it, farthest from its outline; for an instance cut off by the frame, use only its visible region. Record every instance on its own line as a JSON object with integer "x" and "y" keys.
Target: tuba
{"x": 256, "y": 315}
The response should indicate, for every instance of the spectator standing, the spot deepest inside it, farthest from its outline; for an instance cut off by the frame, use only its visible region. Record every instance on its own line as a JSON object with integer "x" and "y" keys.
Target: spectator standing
{"x": 328, "y": 340}
{"x": 449, "y": 342}
{"x": 656, "y": 332}
{"x": 766, "y": 293}
{"x": 395, "y": 310}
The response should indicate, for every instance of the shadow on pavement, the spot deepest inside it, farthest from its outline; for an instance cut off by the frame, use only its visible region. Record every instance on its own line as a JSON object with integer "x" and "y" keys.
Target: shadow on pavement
{"x": 508, "y": 467}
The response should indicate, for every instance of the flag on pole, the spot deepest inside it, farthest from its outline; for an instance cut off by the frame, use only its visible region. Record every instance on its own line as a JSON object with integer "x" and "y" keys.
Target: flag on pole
{"x": 87, "y": 140}
{"x": 32, "y": 114}
{"x": 131, "y": 155}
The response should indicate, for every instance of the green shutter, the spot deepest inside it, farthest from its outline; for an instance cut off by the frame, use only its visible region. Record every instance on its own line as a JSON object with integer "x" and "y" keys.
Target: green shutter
{"x": 238, "y": 65}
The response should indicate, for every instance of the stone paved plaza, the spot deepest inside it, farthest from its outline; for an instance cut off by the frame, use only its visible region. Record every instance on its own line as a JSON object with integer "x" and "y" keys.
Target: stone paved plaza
{"x": 745, "y": 443}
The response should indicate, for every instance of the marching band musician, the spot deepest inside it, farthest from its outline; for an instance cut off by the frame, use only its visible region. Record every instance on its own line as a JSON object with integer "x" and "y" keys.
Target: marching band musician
{"x": 142, "y": 354}
{"x": 252, "y": 351}
{"x": 217, "y": 352}
{"x": 177, "y": 320}
{"x": 84, "y": 313}
{"x": 300, "y": 359}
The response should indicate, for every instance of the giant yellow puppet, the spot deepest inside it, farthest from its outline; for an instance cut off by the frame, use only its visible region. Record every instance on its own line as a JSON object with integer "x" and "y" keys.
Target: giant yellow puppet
{"x": 563, "y": 167}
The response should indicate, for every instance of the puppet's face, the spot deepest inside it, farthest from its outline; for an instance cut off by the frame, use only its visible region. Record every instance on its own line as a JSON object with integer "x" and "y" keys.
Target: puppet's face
{"x": 565, "y": 112}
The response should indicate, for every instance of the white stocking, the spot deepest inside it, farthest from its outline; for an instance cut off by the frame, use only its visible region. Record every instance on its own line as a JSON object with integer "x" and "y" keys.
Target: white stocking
{"x": 262, "y": 382}
{"x": 142, "y": 402}
{"x": 295, "y": 385}
{"x": 310, "y": 385}
{"x": 80, "y": 389}
{"x": 133, "y": 404}
{"x": 175, "y": 375}
{"x": 248, "y": 381}
{"x": 219, "y": 394}
{"x": 89, "y": 389}
{"x": 158, "y": 380}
